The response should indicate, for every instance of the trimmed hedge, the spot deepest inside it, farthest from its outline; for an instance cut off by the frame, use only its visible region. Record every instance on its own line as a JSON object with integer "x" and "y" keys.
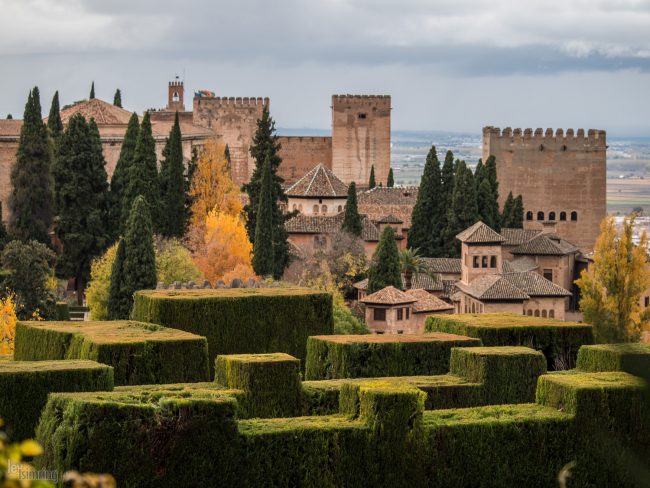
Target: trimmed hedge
{"x": 24, "y": 386}
{"x": 632, "y": 358}
{"x": 558, "y": 340}
{"x": 62, "y": 311}
{"x": 139, "y": 353}
{"x": 373, "y": 356}
{"x": 242, "y": 320}
{"x": 271, "y": 383}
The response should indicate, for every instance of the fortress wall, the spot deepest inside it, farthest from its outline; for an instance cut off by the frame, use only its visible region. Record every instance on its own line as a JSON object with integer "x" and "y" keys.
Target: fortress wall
{"x": 300, "y": 154}
{"x": 555, "y": 172}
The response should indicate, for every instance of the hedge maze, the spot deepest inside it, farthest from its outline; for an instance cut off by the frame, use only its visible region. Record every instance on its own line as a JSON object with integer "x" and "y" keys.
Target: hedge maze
{"x": 439, "y": 410}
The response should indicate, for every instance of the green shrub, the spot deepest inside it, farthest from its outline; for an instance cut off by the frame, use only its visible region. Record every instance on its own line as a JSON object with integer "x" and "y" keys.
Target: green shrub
{"x": 372, "y": 356}
{"x": 558, "y": 340}
{"x": 139, "y": 353}
{"x": 242, "y": 320}
{"x": 62, "y": 311}
{"x": 24, "y": 386}
{"x": 271, "y": 383}
{"x": 631, "y": 358}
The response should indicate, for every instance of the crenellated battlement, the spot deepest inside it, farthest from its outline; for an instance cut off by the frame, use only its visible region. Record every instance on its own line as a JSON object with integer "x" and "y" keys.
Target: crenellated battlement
{"x": 176, "y": 83}
{"x": 362, "y": 100}
{"x": 593, "y": 137}
{"x": 234, "y": 101}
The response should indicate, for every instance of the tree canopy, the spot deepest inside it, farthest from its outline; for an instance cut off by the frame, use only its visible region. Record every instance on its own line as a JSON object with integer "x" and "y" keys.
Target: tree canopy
{"x": 172, "y": 185}
{"x": 385, "y": 267}
{"x": 351, "y": 219}
{"x": 263, "y": 248}
{"x": 427, "y": 216}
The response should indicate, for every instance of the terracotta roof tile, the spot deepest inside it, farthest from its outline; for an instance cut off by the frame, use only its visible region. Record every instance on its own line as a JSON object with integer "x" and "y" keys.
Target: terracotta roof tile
{"x": 480, "y": 233}
{"x": 390, "y": 219}
{"x": 426, "y": 302}
{"x": 442, "y": 265}
{"x": 492, "y": 287}
{"x": 318, "y": 182}
{"x": 519, "y": 265}
{"x": 103, "y": 112}
{"x": 329, "y": 224}
{"x": 535, "y": 285}
{"x": 389, "y": 196}
{"x": 388, "y": 296}
{"x": 546, "y": 245}
{"x": 517, "y": 237}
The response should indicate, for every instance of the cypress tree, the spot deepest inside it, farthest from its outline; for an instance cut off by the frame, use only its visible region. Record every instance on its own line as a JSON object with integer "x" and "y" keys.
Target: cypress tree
{"x": 92, "y": 91}
{"x": 508, "y": 207}
{"x": 54, "y": 123}
{"x": 491, "y": 175}
{"x": 488, "y": 210}
{"x": 117, "y": 98}
{"x": 4, "y": 235}
{"x": 82, "y": 201}
{"x": 266, "y": 146}
{"x": 263, "y": 249}
{"x": 120, "y": 178}
{"x": 518, "y": 213}
{"x": 139, "y": 269}
{"x": 390, "y": 183}
{"x": 371, "y": 182}
{"x": 425, "y": 230}
{"x": 226, "y": 154}
{"x": 352, "y": 219}
{"x": 463, "y": 211}
{"x": 385, "y": 268}
{"x": 119, "y": 306}
{"x": 10, "y": 117}
{"x": 143, "y": 175}
{"x": 172, "y": 184}
{"x": 479, "y": 173}
{"x": 32, "y": 195}
{"x": 447, "y": 188}
{"x": 189, "y": 174}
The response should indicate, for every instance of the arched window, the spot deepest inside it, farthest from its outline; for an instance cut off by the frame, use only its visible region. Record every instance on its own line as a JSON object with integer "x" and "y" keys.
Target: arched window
{"x": 295, "y": 207}
{"x": 315, "y": 209}
{"x": 551, "y": 314}
{"x": 543, "y": 313}
{"x": 529, "y": 313}
{"x": 340, "y": 209}
{"x": 473, "y": 308}
{"x": 529, "y": 215}
{"x": 493, "y": 261}
{"x": 484, "y": 262}
{"x": 175, "y": 97}
{"x": 562, "y": 216}
{"x": 536, "y": 313}
{"x": 551, "y": 216}
{"x": 540, "y": 215}
{"x": 323, "y": 209}
{"x": 574, "y": 216}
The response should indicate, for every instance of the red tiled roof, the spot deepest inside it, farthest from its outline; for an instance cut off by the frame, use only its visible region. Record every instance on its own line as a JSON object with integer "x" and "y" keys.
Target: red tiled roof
{"x": 480, "y": 233}
{"x": 103, "y": 112}
{"x": 318, "y": 182}
{"x": 388, "y": 296}
{"x": 328, "y": 224}
{"x": 426, "y": 302}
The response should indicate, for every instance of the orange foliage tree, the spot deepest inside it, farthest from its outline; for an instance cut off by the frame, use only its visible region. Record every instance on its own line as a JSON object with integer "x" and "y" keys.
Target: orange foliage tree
{"x": 7, "y": 324}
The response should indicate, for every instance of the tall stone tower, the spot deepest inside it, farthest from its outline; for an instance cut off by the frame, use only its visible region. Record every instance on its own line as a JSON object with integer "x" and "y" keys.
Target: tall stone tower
{"x": 176, "y": 96}
{"x": 361, "y": 137}
{"x": 234, "y": 120}
{"x": 561, "y": 177}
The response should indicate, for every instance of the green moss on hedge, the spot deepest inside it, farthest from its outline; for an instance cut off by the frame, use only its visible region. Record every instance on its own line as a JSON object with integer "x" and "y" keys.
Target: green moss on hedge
{"x": 558, "y": 340}
{"x": 242, "y": 320}
{"x": 373, "y": 356}
{"x": 24, "y": 386}
{"x": 632, "y": 358}
{"x": 140, "y": 353}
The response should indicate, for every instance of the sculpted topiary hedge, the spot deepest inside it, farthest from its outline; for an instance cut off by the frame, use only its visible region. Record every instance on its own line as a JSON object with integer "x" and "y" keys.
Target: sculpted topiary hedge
{"x": 24, "y": 386}
{"x": 632, "y": 358}
{"x": 242, "y": 320}
{"x": 368, "y": 356}
{"x": 558, "y": 340}
{"x": 140, "y": 353}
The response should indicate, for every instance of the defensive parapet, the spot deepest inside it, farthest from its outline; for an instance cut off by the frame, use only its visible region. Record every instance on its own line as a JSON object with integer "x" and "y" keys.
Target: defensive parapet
{"x": 232, "y": 101}
{"x": 379, "y": 101}
{"x": 593, "y": 137}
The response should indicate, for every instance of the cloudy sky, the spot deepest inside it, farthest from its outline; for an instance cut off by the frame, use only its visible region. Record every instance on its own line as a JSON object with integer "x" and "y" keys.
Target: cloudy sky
{"x": 453, "y": 65}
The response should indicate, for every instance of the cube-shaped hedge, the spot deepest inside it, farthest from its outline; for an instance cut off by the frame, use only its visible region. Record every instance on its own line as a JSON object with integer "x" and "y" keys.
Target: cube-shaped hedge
{"x": 558, "y": 340}
{"x": 140, "y": 353}
{"x": 242, "y": 320}
{"x": 632, "y": 358}
{"x": 24, "y": 386}
{"x": 374, "y": 355}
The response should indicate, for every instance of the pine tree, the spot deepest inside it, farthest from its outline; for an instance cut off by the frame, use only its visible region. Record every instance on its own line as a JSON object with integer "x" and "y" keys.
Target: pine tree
{"x": 119, "y": 306}
{"x": 263, "y": 248}
{"x": 371, "y": 181}
{"x": 117, "y": 98}
{"x": 463, "y": 211}
{"x": 54, "y": 123}
{"x": 32, "y": 196}
{"x": 82, "y": 201}
{"x": 352, "y": 219}
{"x": 390, "y": 183}
{"x": 385, "y": 269}
{"x": 92, "y": 91}
{"x": 4, "y": 235}
{"x": 517, "y": 221}
{"x": 488, "y": 209}
{"x": 506, "y": 215}
{"x": 266, "y": 146}
{"x": 139, "y": 268}
{"x": 120, "y": 178}
{"x": 425, "y": 231}
{"x": 143, "y": 175}
{"x": 172, "y": 185}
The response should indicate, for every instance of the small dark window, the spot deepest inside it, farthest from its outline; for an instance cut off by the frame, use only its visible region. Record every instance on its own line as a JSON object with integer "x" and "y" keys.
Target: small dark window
{"x": 340, "y": 208}
{"x": 647, "y": 301}
{"x": 529, "y": 313}
{"x": 562, "y": 216}
{"x": 548, "y": 274}
{"x": 541, "y": 147}
{"x": 574, "y": 216}
{"x": 362, "y": 116}
{"x": 536, "y": 313}
{"x": 484, "y": 262}
{"x": 379, "y": 314}
{"x": 400, "y": 314}
{"x": 315, "y": 209}
{"x": 551, "y": 314}
{"x": 544, "y": 313}
{"x": 493, "y": 261}
{"x": 529, "y": 215}
{"x": 476, "y": 261}
{"x": 551, "y": 216}
{"x": 408, "y": 313}
{"x": 540, "y": 215}
{"x": 175, "y": 97}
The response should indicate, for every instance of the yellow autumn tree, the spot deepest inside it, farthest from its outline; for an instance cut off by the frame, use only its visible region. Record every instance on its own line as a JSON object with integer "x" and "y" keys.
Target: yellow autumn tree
{"x": 612, "y": 288}
{"x": 7, "y": 324}
{"x": 226, "y": 248}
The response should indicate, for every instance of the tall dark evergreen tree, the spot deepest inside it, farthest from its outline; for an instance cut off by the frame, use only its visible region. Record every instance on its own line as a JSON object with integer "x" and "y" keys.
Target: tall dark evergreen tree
{"x": 385, "y": 267}
{"x": 120, "y": 178}
{"x": 518, "y": 213}
{"x": 351, "y": 219}
{"x": 54, "y": 123}
{"x": 143, "y": 175}
{"x": 508, "y": 207}
{"x": 4, "y": 235}
{"x": 266, "y": 146}
{"x": 10, "y": 117}
{"x": 463, "y": 211}
{"x": 371, "y": 182}
{"x": 226, "y": 154}
{"x": 488, "y": 208}
{"x": 263, "y": 248}
{"x": 425, "y": 231}
{"x": 119, "y": 305}
{"x": 491, "y": 175}
{"x": 447, "y": 187}
{"x": 479, "y": 173}
{"x": 189, "y": 174}
{"x": 390, "y": 183}
{"x": 32, "y": 195}
{"x": 82, "y": 201}
{"x": 92, "y": 91}
{"x": 117, "y": 98}
{"x": 172, "y": 185}
{"x": 139, "y": 270}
